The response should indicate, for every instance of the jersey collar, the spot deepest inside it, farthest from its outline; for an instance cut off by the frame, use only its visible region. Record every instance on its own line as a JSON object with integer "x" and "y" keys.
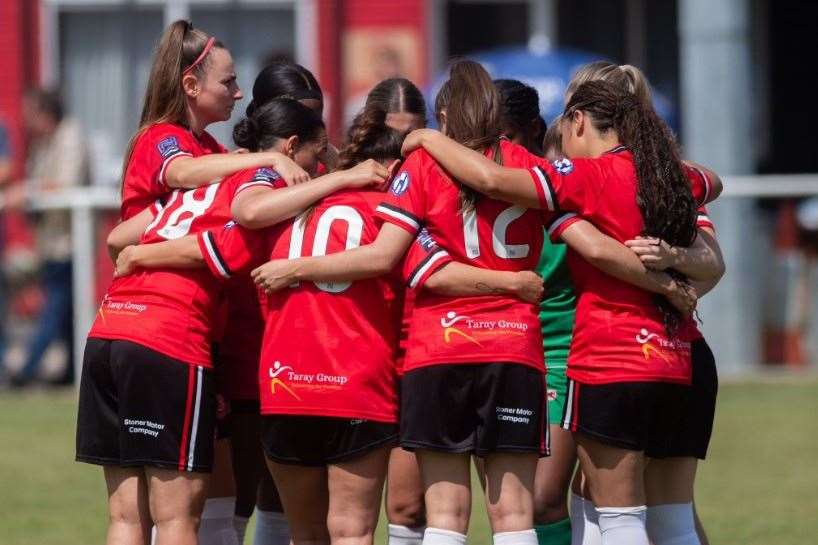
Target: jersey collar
{"x": 618, "y": 149}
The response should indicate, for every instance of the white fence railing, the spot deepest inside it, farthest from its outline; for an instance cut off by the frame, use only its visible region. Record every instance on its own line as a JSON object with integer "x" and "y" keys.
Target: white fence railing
{"x": 84, "y": 202}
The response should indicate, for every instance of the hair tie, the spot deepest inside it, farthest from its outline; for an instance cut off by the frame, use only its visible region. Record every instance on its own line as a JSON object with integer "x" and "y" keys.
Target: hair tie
{"x": 208, "y": 46}
{"x": 306, "y": 94}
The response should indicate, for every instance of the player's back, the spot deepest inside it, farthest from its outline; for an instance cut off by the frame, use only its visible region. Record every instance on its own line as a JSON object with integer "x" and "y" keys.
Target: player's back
{"x": 175, "y": 306}
{"x": 337, "y": 337}
{"x": 491, "y": 234}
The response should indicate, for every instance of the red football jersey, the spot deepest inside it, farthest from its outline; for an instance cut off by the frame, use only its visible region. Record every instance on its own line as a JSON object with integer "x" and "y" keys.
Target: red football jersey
{"x": 422, "y": 260}
{"x": 493, "y": 235}
{"x": 619, "y": 334}
{"x": 153, "y": 151}
{"x": 173, "y": 310}
{"x": 328, "y": 348}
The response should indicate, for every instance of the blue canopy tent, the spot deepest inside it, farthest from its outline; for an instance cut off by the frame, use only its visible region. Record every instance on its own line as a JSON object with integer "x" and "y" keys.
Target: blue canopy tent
{"x": 548, "y": 72}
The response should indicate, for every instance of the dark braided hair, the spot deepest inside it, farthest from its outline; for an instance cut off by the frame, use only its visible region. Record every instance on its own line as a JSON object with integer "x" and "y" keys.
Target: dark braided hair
{"x": 521, "y": 113}
{"x": 370, "y": 137}
{"x": 663, "y": 191}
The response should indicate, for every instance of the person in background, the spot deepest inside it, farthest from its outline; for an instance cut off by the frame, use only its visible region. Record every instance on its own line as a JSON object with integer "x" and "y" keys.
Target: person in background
{"x": 57, "y": 159}
{"x": 5, "y": 178}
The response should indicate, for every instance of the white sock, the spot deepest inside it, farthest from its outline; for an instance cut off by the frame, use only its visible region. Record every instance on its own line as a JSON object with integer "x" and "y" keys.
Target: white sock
{"x": 584, "y": 522}
{"x": 216, "y": 527}
{"x": 271, "y": 528}
{"x": 240, "y": 524}
{"x": 672, "y": 524}
{"x": 438, "y": 536}
{"x": 623, "y": 525}
{"x": 404, "y": 535}
{"x": 522, "y": 537}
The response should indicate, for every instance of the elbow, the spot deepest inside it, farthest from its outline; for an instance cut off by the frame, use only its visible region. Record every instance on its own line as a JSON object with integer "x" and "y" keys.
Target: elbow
{"x": 721, "y": 269}
{"x": 717, "y": 187}
{"x": 248, "y": 216}
{"x": 488, "y": 184}
{"x": 596, "y": 255}
{"x": 436, "y": 282}
{"x": 115, "y": 244}
{"x": 177, "y": 180}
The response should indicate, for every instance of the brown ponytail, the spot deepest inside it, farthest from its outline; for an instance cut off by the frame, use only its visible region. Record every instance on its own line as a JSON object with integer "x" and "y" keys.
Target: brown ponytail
{"x": 624, "y": 77}
{"x": 663, "y": 191}
{"x": 370, "y": 137}
{"x": 179, "y": 47}
{"x": 473, "y": 114}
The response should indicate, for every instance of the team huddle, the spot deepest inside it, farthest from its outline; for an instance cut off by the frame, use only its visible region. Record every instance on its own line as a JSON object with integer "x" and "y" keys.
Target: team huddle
{"x": 294, "y": 328}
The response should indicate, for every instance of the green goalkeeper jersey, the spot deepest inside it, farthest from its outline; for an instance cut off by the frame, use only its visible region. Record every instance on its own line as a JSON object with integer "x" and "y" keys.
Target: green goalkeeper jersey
{"x": 559, "y": 304}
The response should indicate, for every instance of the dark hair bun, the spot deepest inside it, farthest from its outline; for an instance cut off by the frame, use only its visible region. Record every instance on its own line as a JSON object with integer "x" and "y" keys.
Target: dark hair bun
{"x": 245, "y": 133}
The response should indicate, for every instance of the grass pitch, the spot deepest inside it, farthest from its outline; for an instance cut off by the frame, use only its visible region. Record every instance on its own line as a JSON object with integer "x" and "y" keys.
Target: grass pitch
{"x": 758, "y": 487}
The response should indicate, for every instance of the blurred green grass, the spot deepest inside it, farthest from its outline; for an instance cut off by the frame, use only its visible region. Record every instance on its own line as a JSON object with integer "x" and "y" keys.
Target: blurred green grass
{"x": 758, "y": 487}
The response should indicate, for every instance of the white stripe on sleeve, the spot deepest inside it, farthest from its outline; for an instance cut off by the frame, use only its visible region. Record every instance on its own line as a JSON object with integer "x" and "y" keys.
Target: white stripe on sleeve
{"x": 397, "y": 214}
{"x": 214, "y": 256}
{"x": 546, "y": 189}
{"x": 418, "y": 274}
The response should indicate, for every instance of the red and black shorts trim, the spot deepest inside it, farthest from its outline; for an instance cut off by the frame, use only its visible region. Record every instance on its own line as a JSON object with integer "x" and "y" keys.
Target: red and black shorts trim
{"x": 139, "y": 407}
{"x": 663, "y": 419}
{"x": 475, "y": 408}
{"x": 317, "y": 441}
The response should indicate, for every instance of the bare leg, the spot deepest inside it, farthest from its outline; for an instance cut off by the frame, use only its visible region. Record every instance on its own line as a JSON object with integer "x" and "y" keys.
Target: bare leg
{"x": 305, "y": 497}
{"x": 404, "y": 490}
{"x": 355, "y": 489}
{"x": 510, "y": 491}
{"x": 553, "y": 478}
{"x": 669, "y": 484}
{"x": 128, "y": 511}
{"x": 615, "y": 478}
{"x": 176, "y": 502}
{"x": 447, "y": 485}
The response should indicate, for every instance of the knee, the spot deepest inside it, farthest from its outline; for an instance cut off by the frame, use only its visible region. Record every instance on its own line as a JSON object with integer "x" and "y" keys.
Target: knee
{"x": 314, "y": 533}
{"x": 453, "y": 516}
{"x": 119, "y": 514}
{"x": 550, "y": 505}
{"x": 406, "y": 510}
{"x": 349, "y": 528}
{"x": 511, "y": 515}
{"x": 165, "y": 516}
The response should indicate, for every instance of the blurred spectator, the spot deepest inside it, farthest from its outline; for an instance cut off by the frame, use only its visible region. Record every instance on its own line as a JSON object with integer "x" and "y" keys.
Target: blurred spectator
{"x": 5, "y": 177}
{"x": 57, "y": 159}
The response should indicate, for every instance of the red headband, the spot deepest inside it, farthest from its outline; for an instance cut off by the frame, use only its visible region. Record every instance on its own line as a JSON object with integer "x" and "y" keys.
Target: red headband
{"x": 208, "y": 46}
